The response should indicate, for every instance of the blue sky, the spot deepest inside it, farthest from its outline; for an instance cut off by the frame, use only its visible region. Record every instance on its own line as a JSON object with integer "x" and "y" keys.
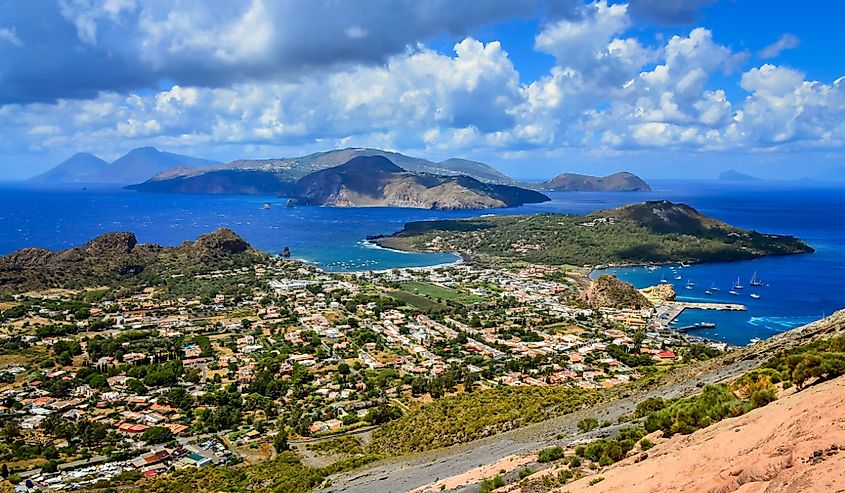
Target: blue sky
{"x": 664, "y": 88}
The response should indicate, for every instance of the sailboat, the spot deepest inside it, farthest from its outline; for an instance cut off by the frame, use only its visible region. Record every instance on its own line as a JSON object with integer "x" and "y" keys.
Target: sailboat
{"x": 738, "y": 286}
{"x": 755, "y": 296}
{"x": 690, "y": 285}
{"x": 678, "y": 277}
{"x": 755, "y": 281}
{"x": 663, "y": 279}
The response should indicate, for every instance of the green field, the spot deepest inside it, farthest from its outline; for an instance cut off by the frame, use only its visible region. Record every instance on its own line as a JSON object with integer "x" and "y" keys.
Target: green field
{"x": 438, "y": 292}
{"x": 417, "y": 301}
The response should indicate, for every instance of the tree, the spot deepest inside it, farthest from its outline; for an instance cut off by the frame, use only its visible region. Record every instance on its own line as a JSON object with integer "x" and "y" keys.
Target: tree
{"x": 280, "y": 443}
{"x": 4, "y": 471}
{"x": 157, "y": 434}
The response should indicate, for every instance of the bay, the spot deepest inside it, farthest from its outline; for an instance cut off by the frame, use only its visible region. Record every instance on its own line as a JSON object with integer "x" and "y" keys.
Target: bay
{"x": 799, "y": 288}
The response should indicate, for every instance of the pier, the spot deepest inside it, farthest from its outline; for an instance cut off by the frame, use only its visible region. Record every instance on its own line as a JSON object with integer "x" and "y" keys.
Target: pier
{"x": 671, "y": 310}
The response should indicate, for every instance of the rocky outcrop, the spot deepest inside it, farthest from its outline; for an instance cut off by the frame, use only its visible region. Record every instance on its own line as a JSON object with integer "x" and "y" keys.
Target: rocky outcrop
{"x": 660, "y": 293}
{"x": 118, "y": 257}
{"x": 223, "y": 240}
{"x": 610, "y": 292}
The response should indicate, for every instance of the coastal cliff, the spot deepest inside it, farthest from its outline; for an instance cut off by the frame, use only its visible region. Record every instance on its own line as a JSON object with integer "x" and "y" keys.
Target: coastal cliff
{"x": 373, "y": 181}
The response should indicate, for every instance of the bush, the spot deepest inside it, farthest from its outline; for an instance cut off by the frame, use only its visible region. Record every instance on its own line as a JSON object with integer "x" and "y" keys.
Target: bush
{"x": 489, "y": 485}
{"x": 524, "y": 473}
{"x": 588, "y": 424}
{"x": 550, "y": 454}
{"x": 646, "y": 444}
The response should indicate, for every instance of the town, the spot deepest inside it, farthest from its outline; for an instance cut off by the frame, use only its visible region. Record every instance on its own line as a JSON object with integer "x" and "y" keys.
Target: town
{"x": 108, "y": 386}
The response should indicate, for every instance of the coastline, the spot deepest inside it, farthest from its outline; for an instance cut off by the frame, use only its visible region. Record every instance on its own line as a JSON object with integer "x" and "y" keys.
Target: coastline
{"x": 462, "y": 258}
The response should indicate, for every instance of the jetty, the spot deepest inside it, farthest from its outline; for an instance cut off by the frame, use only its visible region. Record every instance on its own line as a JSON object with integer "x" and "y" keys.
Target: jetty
{"x": 671, "y": 310}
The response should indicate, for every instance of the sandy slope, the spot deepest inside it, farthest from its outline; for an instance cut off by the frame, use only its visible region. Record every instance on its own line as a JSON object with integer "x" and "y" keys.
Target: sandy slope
{"x": 795, "y": 444}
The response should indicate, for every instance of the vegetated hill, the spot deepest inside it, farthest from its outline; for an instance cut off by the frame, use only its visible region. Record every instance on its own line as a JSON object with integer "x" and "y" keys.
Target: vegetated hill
{"x": 617, "y": 182}
{"x": 222, "y": 181}
{"x": 662, "y": 216}
{"x": 650, "y": 232}
{"x": 207, "y": 180}
{"x": 115, "y": 258}
{"x": 736, "y": 176}
{"x": 82, "y": 167}
{"x": 376, "y": 181}
{"x": 135, "y": 166}
{"x": 480, "y": 171}
{"x": 610, "y": 292}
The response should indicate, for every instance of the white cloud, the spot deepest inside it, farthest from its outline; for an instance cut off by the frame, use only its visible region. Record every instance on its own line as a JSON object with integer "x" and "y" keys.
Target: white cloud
{"x": 10, "y": 35}
{"x": 608, "y": 94}
{"x": 785, "y": 42}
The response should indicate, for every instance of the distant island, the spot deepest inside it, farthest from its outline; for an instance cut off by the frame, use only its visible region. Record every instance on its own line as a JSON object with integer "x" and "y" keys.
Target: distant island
{"x": 135, "y": 166}
{"x": 573, "y": 182}
{"x": 147, "y": 169}
{"x": 736, "y": 176}
{"x": 649, "y": 232}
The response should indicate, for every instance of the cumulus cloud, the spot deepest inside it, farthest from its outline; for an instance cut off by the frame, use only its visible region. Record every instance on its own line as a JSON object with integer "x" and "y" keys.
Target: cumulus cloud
{"x": 608, "y": 93}
{"x": 785, "y": 42}
{"x": 87, "y": 46}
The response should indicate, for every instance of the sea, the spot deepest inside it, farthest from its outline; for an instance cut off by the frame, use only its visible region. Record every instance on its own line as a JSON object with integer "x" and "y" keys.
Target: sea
{"x": 797, "y": 289}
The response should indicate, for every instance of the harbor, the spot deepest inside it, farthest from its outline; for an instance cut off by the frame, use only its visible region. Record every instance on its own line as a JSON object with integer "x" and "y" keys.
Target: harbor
{"x": 669, "y": 311}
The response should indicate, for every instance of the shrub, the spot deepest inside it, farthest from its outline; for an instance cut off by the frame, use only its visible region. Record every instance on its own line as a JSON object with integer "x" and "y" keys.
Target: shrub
{"x": 588, "y": 424}
{"x": 489, "y": 485}
{"x": 550, "y": 454}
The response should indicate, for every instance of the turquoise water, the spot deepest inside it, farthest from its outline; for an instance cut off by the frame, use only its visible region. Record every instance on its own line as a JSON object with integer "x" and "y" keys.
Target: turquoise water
{"x": 800, "y": 288}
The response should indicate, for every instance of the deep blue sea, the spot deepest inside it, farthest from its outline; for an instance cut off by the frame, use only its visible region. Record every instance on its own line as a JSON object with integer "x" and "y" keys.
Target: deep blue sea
{"x": 799, "y": 288}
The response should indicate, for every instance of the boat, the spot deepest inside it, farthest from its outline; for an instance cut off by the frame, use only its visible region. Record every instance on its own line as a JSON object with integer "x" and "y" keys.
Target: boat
{"x": 733, "y": 292}
{"x": 678, "y": 277}
{"x": 663, "y": 279}
{"x": 266, "y": 205}
{"x": 738, "y": 286}
{"x": 755, "y": 281}
{"x": 755, "y": 296}
{"x": 713, "y": 287}
{"x": 705, "y": 325}
{"x": 690, "y": 285}
{"x": 708, "y": 292}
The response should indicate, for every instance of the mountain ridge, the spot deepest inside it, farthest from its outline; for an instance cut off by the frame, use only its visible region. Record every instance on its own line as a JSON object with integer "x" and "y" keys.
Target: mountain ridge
{"x": 377, "y": 181}
{"x": 137, "y": 165}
